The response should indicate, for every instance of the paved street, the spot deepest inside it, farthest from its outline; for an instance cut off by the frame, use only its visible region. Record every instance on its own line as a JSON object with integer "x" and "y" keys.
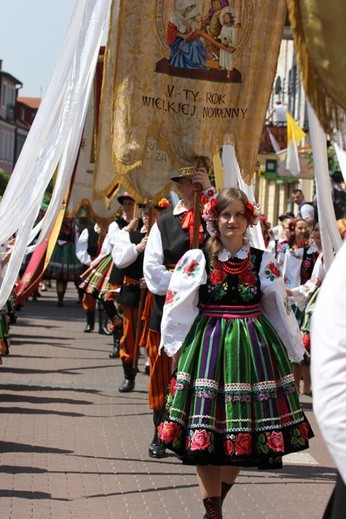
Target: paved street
{"x": 72, "y": 446}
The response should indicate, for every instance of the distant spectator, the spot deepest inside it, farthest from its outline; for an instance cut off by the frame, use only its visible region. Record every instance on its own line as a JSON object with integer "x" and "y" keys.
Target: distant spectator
{"x": 278, "y": 115}
{"x": 306, "y": 209}
{"x": 276, "y": 229}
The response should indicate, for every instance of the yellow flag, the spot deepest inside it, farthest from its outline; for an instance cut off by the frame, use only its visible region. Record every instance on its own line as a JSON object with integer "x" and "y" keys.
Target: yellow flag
{"x": 294, "y": 131}
{"x": 294, "y": 135}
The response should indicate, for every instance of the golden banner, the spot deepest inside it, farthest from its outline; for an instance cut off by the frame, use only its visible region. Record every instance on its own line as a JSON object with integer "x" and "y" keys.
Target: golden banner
{"x": 181, "y": 78}
{"x": 320, "y": 40}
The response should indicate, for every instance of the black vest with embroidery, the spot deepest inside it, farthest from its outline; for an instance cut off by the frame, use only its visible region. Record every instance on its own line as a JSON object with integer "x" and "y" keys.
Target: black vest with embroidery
{"x": 129, "y": 294}
{"x": 227, "y": 289}
{"x": 308, "y": 262}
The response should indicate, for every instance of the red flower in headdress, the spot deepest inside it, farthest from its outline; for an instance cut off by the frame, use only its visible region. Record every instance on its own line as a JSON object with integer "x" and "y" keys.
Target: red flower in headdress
{"x": 249, "y": 212}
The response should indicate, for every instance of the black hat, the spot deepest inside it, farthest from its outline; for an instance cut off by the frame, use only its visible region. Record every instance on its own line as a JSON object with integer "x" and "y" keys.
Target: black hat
{"x": 125, "y": 196}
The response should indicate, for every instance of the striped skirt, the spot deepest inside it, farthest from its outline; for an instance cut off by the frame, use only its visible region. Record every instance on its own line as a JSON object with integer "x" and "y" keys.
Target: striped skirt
{"x": 233, "y": 400}
{"x": 95, "y": 280}
{"x": 64, "y": 264}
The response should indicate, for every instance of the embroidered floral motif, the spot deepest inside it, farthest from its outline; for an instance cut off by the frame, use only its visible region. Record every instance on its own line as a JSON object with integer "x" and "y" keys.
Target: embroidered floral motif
{"x": 218, "y": 288}
{"x": 275, "y": 441}
{"x": 200, "y": 440}
{"x": 239, "y": 445}
{"x": 169, "y": 432}
{"x": 247, "y": 293}
{"x": 243, "y": 444}
{"x": 229, "y": 447}
{"x": 171, "y": 296}
{"x": 217, "y": 276}
{"x": 304, "y": 430}
{"x": 247, "y": 287}
{"x": 299, "y": 435}
{"x": 270, "y": 441}
{"x": 272, "y": 271}
{"x": 247, "y": 278}
{"x": 188, "y": 267}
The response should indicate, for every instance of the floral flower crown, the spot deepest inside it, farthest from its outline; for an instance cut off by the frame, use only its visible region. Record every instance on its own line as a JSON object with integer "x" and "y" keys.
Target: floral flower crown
{"x": 210, "y": 215}
{"x": 252, "y": 213}
{"x": 163, "y": 203}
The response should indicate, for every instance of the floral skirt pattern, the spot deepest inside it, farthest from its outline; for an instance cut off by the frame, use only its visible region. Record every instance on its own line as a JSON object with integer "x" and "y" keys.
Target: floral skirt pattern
{"x": 64, "y": 264}
{"x": 233, "y": 400}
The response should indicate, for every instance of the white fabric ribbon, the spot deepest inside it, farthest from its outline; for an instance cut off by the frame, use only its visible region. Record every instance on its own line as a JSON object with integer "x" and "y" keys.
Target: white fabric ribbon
{"x": 54, "y": 138}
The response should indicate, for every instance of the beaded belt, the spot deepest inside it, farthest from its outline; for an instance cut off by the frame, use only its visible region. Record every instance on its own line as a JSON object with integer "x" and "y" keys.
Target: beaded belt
{"x": 130, "y": 281}
{"x": 230, "y": 312}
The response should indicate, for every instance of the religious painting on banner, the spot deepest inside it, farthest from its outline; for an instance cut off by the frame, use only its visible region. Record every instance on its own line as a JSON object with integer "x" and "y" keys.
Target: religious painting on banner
{"x": 182, "y": 77}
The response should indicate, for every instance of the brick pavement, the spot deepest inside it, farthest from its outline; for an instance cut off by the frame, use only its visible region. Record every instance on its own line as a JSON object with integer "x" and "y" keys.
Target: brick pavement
{"x": 73, "y": 447}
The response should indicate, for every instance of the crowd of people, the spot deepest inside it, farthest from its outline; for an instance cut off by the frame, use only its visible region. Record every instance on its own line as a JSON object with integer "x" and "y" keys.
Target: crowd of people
{"x": 224, "y": 326}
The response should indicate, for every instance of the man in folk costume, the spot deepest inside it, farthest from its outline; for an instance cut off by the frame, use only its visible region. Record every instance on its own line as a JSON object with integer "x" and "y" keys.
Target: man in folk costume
{"x": 128, "y": 258}
{"x": 88, "y": 247}
{"x": 170, "y": 237}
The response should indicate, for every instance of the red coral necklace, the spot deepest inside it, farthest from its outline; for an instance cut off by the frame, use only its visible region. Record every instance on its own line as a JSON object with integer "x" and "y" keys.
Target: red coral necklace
{"x": 235, "y": 268}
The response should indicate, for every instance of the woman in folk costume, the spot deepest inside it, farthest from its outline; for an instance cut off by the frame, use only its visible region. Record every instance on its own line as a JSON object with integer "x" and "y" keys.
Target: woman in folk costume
{"x": 232, "y": 401}
{"x": 128, "y": 257}
{"x": 303, "y": 298}
{"x": 64, "y": 266}
{"x": 170, "y": 237}
{"x": 103, "y": 280}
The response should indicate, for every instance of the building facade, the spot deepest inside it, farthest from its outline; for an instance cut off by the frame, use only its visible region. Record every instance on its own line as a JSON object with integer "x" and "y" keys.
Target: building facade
{"x": 16, "y": 117}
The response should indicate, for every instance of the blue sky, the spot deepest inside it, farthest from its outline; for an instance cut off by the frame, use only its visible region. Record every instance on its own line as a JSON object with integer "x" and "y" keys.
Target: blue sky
{"x": 31, "y": 34}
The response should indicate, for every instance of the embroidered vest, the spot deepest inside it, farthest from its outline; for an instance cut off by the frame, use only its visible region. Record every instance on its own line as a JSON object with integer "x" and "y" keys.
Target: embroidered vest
{"x": 230, "y": 289}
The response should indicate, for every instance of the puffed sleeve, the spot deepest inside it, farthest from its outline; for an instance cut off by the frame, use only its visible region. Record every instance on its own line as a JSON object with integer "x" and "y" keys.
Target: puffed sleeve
{"x": 82, "y": 248}
{"x": 156, "y": 275}
{"x": 180, "y": 309}
{"x": 107, "y": 245}
{"x": 303, "y": 293}
{"x": 125, "y": 253}
{"x": 276, "y": 308}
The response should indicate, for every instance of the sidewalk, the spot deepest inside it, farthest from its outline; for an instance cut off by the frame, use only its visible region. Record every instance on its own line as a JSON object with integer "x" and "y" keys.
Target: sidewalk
{"x": 72, "y": 446}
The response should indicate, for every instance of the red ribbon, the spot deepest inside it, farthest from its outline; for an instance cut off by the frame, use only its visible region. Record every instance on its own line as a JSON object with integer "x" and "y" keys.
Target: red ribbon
{"x": 187, "y": 223}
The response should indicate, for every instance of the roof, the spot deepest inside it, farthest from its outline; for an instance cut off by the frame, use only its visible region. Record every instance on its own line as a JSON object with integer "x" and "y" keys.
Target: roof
{"x": 33, "y": 102}
{"x": 10, "y": 77}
